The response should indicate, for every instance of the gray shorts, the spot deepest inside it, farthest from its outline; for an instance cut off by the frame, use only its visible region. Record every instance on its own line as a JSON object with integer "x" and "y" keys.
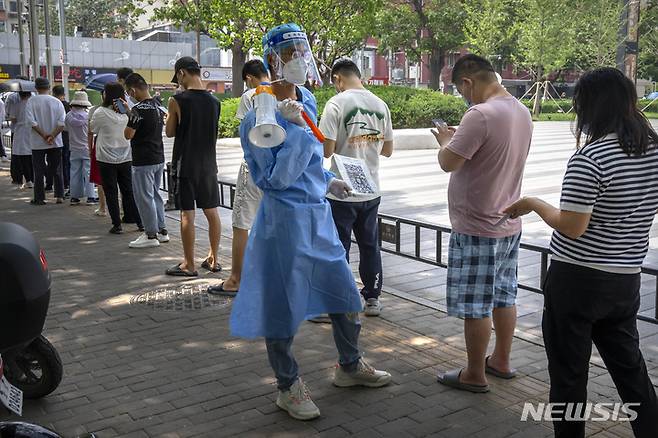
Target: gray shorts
{"x": 247, "y": 199}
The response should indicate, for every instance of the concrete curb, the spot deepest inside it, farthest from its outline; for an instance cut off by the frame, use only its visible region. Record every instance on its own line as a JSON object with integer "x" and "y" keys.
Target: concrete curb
{"x": 404, "y": 140}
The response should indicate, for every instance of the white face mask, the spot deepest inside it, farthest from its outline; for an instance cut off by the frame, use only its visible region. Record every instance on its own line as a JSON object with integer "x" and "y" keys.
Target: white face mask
{"x": 295, "y": 71}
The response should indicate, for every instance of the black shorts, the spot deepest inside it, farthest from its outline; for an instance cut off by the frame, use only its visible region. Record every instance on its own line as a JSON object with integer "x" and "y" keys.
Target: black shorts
{"x": 200, "y": 190}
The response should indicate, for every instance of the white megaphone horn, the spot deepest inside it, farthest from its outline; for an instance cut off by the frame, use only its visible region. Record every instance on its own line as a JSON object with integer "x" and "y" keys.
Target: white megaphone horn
{"x": 266, "y": 133}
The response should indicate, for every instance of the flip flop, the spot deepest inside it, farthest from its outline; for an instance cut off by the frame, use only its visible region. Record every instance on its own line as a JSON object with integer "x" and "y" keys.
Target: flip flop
{"x": 206, "y": 265}
{"x": 219, "y": 290}
{"x": 451, "y": 379}
{"x": 176, "y": 271}
{"x": 494, "y": 372}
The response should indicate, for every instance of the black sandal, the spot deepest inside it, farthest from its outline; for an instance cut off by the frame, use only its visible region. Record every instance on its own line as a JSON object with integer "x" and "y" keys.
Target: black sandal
{"x": 176, "y": 271}
{"x": 219, "y": 290}
{"x": 206, "y": 265}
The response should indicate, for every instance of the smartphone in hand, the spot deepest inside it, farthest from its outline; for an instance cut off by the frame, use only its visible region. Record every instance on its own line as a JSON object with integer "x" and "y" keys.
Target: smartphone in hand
{"x": 120, "y": 106}
{"x": 439, "y": 123}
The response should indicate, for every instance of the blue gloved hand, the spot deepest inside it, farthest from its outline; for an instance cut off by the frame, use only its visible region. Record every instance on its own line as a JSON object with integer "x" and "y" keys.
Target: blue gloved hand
{"x": 339, "y": 188}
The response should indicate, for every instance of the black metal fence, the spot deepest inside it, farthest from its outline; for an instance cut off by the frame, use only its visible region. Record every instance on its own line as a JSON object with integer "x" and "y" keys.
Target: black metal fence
{"x": 392, "y": 241}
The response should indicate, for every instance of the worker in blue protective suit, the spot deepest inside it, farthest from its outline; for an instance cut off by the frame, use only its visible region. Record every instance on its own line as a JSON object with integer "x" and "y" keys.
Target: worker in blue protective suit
{"x": 294, "y": 264}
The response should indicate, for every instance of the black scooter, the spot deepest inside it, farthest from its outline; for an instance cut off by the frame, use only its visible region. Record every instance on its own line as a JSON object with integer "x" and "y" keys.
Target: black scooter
{"x": 31, "y": 363}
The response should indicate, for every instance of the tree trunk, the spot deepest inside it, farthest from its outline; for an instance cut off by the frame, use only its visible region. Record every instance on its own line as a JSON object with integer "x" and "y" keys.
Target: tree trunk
{"x": 437, "y": 61}
{"x": 536, "y": 107}
{"x": 239, "y": 58}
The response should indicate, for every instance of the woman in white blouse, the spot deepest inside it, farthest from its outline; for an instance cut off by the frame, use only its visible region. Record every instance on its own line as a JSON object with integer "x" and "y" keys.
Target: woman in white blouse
{"x": 114, "y": 158}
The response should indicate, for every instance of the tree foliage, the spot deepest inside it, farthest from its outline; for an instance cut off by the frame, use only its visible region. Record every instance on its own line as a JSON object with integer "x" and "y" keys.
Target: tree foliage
{"x": 597, "y": 33}
{"x": 422, "y": 27}
{"x": 545, "y": 36}
{"x": 648, "y": 59}
{"x": 113, "y": 18}
{"x": 491, "y": 27}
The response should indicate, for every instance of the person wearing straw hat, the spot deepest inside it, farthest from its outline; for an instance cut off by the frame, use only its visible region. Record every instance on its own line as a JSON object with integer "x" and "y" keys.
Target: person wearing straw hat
{"x": 77, "y": 122}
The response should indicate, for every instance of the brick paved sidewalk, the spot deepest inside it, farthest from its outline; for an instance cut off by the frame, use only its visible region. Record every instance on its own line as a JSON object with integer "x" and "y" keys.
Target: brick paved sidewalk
{"x": 130, "y": 370}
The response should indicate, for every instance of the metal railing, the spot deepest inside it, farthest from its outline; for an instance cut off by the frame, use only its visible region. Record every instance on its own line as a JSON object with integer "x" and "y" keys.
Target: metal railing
{"x": 390, "y": 232}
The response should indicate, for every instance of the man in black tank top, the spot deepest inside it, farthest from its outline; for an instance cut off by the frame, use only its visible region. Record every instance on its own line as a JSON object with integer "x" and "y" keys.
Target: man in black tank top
{"x": 194, "y": 121}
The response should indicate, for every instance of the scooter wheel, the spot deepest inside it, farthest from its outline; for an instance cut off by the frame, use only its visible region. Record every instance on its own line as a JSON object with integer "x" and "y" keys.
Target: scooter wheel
{"x": 36, "y": 369}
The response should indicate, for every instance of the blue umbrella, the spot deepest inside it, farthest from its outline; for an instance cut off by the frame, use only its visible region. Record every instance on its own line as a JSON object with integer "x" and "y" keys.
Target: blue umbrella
{"x": 97, "y": 82}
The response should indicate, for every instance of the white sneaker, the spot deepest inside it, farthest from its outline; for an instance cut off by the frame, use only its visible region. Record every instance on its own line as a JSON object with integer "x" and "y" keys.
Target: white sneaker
{"x": 365, "y": 375}
{"x": 143, "y": 241}
{"x": 29, "y": 185}
{"x": 373, "y": 307}
{"x": 163, "y": 238}
{"x": 100, "y": 212}
{"x": 297, "y": 402}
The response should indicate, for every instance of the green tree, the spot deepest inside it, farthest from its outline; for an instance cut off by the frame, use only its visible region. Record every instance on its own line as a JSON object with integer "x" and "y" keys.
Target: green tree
{"x": 419, "y": 27}
{"x": 490, "y": 28}
{"x": 648, "y": 57}
{"x": 114, "y": 18}
{"x": 597, "y": 33}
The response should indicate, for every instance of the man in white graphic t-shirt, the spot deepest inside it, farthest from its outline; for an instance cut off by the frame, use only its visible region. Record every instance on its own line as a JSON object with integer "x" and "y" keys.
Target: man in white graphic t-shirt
{"x": 357, "y": 124}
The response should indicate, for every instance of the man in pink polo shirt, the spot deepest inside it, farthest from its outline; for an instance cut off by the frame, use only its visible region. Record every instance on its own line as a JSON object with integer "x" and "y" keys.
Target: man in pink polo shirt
{"x": 485, "y": 156}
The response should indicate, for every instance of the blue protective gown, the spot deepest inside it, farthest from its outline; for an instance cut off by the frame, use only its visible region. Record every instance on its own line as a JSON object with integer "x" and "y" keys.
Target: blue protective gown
{"x": 294, "y": 264}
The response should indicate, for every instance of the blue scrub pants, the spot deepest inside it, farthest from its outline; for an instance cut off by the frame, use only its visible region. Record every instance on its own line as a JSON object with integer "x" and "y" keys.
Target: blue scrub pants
{"x": 346, "y": 328}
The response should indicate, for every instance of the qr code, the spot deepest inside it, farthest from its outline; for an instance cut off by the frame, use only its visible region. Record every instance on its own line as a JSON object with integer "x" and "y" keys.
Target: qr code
{"x": 358, "y": 178}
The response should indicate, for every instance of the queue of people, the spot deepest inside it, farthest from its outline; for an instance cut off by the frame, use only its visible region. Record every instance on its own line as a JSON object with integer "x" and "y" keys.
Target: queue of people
{"x": 293, "y": 219}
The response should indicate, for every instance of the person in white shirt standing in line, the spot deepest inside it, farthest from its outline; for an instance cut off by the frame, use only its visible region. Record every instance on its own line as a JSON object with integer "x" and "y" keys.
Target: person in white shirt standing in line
{"x": 46, "y": 116}
{"x": 247, "y": 194}
{"x": 357, "y": 124}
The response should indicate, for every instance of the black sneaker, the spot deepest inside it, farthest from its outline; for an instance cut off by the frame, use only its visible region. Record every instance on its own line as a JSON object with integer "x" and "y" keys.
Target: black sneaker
{"x": 35, "y": 202}
{"x": 75, "y": 201}
{"x": 92, "y": 201}
{"x": 116, "y": 230}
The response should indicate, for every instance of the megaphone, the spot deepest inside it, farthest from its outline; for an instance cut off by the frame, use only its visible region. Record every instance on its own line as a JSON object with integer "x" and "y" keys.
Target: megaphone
{"x": 266, "y": 133}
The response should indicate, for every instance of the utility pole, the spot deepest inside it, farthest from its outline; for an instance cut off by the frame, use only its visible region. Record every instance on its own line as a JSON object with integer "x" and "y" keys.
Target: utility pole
{"x": 628, "y": 34}
{"x": 65, "y": 56}
{"x": 49, "y": 58}
{"x": 34, "y": 39}
{"x": 21, "y": 37}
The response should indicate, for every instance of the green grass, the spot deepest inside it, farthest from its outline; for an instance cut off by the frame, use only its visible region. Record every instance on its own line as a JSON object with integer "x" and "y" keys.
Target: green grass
{"x": 561, "y": 117}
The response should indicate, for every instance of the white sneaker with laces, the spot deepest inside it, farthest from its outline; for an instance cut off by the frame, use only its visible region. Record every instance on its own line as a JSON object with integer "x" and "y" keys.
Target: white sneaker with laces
{"x": 100, "y": 212}
{"x": 373, "y": 307}
{"x": 297, "y": 402}
{"x": 163, "y": 238}
{"x": 365, "y": 375}
{"x": 143, "y": 241}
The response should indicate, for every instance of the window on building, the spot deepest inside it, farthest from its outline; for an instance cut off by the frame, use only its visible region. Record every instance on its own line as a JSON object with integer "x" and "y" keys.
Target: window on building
{"x": 13, "y": 6}
{"x": 3, "y": 26}
{"x": 2, "y": 5}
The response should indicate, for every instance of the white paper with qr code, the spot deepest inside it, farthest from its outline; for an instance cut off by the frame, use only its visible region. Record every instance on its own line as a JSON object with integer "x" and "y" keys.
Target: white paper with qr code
{"x": 355, "y": 172}
{"x": 11, "y": 397}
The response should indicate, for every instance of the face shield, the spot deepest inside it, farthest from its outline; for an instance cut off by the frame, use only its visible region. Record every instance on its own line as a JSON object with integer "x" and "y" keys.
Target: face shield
{"x": 291, "y": 58}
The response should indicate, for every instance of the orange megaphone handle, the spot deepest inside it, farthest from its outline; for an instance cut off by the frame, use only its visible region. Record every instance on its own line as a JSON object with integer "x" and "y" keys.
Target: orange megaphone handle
{"x": 314, "y": 128}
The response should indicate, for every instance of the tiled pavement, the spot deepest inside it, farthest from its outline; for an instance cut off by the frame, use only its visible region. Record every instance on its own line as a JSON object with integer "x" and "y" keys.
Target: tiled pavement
{"x": 131, "y": 371}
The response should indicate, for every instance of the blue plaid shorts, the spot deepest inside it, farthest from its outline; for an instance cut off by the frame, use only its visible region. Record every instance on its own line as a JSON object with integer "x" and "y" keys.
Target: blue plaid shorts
{"x": 482, "y": 274}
